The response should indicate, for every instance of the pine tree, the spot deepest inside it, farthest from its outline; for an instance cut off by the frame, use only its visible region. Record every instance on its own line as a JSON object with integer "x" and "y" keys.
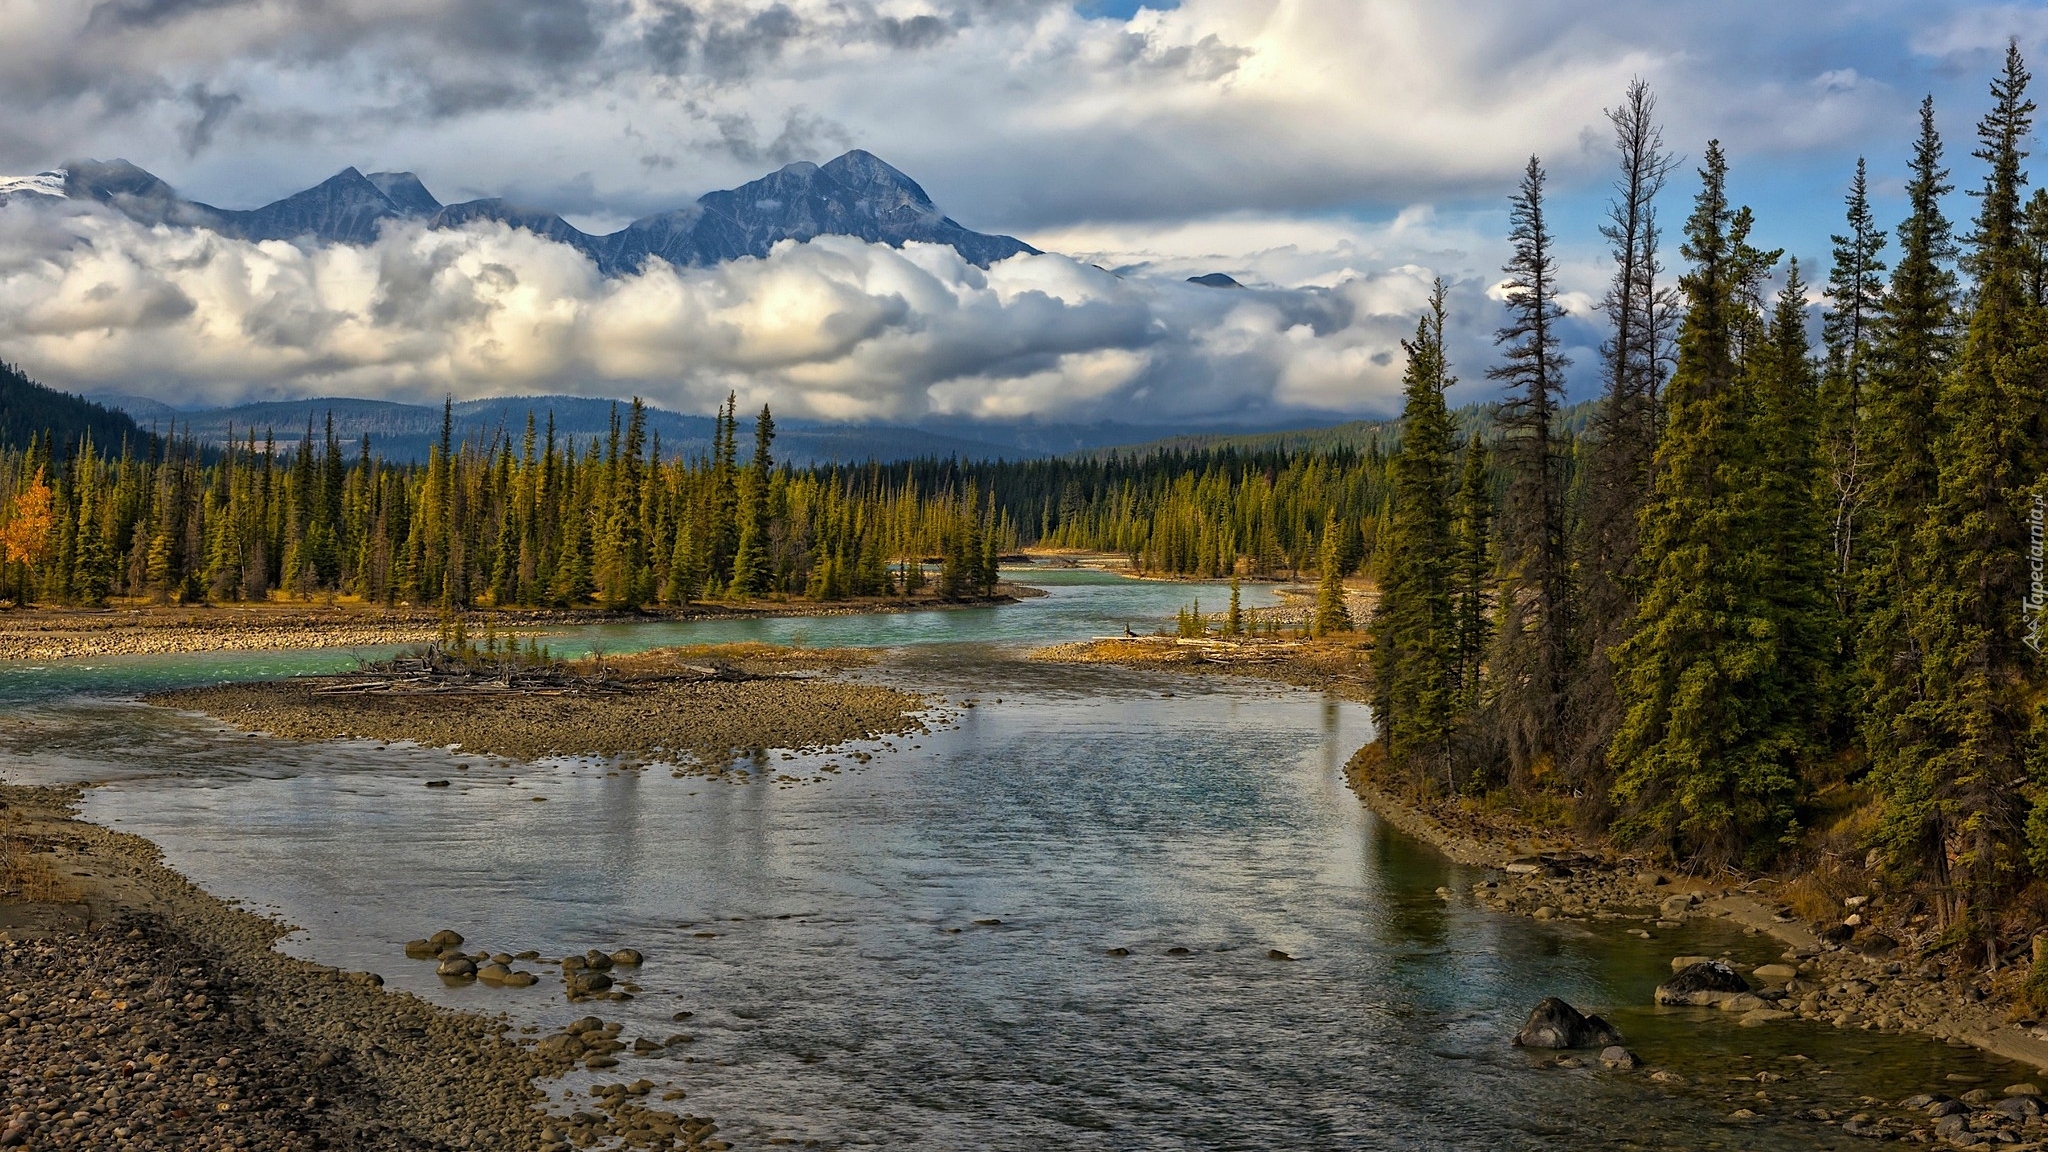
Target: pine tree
{"x": 1913, "y": 347}
{"x": 1703, "y": 771}
{"x": 1533, "y": 659}
{"x": 1623, "y": 434}
{"x": 1962, "y": 744}
{"x": 1413, "y": 651}
{"x": 1855, "y": 293}
{"x": 1471, "y": 578}
{"x": 753, "y": 565}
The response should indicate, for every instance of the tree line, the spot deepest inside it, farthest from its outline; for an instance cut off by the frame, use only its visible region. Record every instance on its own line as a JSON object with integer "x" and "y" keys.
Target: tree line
{"x": 529, "y": 522}
{"x": 1761, "y": 576}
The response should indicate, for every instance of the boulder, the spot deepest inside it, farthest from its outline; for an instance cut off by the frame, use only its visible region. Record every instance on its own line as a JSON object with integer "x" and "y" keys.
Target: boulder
{"x": 1674, "y": 907}
{"x": 1556, "y": 1024}
{"x": 1681, "y": 963}
{"x": 2020, "y": 1107}
{"x": 596, "y": 961}
{"x": 1703, "y": 984}
{"x": 493, "y": 973}
{"x": 1615, "y": 1056}
{"x": 457, "y": 968}
{"x": 1775, "y": 973}
{"x": 627, "y": 957}
{"x": 421, "y": 949}
{"x": 444, "y": 939}
{"x": 521, "y": 980}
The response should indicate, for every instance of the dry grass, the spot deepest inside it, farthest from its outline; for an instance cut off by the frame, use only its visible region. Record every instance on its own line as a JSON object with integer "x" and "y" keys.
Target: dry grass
{"x": 26, "y": 874}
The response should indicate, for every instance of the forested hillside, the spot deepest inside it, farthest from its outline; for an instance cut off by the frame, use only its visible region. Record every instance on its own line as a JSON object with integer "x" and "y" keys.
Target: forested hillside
{"x": 29, "y": 409}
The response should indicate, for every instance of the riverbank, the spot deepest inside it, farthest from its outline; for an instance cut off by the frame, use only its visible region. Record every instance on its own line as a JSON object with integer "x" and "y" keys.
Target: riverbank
{"x": 139, "y": 1012}
{"x": 1840, "y": 971}
{"x": 1336, "y": 665}
{"x": 143, "y": 629}
{"x": 695, "y": 707}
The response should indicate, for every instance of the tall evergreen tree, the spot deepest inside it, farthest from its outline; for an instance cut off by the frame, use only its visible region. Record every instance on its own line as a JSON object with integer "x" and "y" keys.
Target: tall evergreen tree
{"x": 1471, "y": 577}
{"x": 753, "y": 563}
{"x": 1962, "y": 744}
{"x": 1414, "y": 644}
{"x": 1623, "y": 435}
{"x": 1855, "y": 295}
{"x": 1533, "y": 659}
{"x": 1702, "y": 771}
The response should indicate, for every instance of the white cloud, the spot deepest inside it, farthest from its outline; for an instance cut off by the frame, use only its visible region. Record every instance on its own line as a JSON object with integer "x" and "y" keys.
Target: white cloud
{"x": 835, "y": 328}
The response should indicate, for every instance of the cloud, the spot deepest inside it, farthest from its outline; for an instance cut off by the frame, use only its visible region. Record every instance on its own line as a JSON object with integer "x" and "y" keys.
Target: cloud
{"x": 835, "y": 329}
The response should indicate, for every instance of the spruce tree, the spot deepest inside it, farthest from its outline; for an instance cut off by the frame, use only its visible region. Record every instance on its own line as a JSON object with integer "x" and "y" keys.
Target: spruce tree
{"x": 1855, "y": 295}
{"x": 1622, "y": 438}
{"x": 1956, "y": 803}
{"x": 1471, "y": 577}
{"x": 753, "y": 564}
{"x": 1532, "y": 659}
{"x": 1414, "y": 644}
{"x": 1703, "y": 767}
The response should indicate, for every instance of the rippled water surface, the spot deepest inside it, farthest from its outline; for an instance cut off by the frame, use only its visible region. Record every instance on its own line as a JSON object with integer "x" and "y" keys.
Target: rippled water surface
{"x": 827, "y": 935}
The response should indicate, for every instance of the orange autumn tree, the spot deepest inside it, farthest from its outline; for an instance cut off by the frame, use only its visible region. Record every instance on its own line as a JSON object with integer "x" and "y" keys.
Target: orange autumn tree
{"x": 25, "y": 537}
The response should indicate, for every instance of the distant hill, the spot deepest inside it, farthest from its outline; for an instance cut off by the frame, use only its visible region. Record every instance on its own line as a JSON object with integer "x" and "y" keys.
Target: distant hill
{"x": 30, "y": 409}
{"x": 408, "y": 431}
{"x": 1354, "y": 436}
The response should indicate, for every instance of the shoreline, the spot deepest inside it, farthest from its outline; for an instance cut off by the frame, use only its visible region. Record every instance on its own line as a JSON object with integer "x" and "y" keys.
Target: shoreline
{"x": 42, "y": 634}
{"x": 1849, "y": 987}
{"x": 138, "y": 1011}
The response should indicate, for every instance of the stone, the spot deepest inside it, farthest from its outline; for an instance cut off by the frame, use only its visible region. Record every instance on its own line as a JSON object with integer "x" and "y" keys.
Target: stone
{"x": 585, "y": 1024}
{"x": 627, "y": 957}
{"x": 1650, "y": 879}
{"x": 1615, "y": 1056}
{"x": 1681, "y": 963}
{"x": 1874, "y": 944}
{"x": 1943, "y": 1106}
{"x": 457, "y": 968}
{"x": 493, "y": 973}
{"x": 1674, "y": 907}
{"x": 438, "y": 784}
{"x": 1701, "y": 984}
{"x": 2019, "y": 1107}
{"x": 445, "y": 938}
{"x": 421, "y": 949}
{"x": 1545, "y": 913}
{"x": 1740, "y": 1002}
{"x": 1755, "y": 1017}
{"x": 596, "y": 961}
{"x": 1775, "y": 973}
{"x": 521, "y": 980}
{"x": 1556, "y": 1024}
{"x": 1117, "y": 952}
{"x": 1277, "y": 954}
{"x": 2022, "y": 1090}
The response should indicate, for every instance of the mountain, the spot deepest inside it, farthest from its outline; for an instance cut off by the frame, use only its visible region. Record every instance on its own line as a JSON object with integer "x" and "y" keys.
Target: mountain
{"x": 29, "y": 409}
{"x": 855, "y": 195}
{"x": 408, "y": 431}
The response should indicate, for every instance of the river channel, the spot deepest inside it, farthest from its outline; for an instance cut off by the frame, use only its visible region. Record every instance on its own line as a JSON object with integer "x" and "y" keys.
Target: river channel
{"x": 913, "y": 949}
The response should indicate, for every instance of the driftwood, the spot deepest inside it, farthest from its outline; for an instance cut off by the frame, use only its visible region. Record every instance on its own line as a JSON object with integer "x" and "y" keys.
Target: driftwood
{"x": 435, "y": 672}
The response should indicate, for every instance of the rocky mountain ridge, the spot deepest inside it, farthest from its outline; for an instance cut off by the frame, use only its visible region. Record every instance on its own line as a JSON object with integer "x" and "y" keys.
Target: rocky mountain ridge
{"x": 856, "y": 194}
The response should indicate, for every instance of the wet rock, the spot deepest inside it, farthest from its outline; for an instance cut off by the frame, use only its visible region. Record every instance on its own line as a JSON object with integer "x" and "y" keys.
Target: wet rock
{"x": 1681, "y": 963}
{"x": 521, "y": 980}
{"x": 421, "y": 949}
{"x": 2019, "y": 1107}
{"x": 1556, "y": 1024}
{"x": 2023, "y": 1090}
{"x": 493, "y": 973}
{"x": 457, "y": 968}
{"x": 437, "y": 784}
{"x": 1117, "y": 952}
{"x": 627, "y": 957}
{"x": 1617, "y": 1057}
{"x": 596, "y": 961}
{"x": 585, "y": 1024}
{"x": 1702, "y": 984}
{"x": 1277, "y": 954}
{"x": 1757, "y": 1016}
{"x": 444, "y": 939}
{"x": 1674, "y": 907}
{"x": 1775, "y": 973}
{"x": 1943, "y": 1106}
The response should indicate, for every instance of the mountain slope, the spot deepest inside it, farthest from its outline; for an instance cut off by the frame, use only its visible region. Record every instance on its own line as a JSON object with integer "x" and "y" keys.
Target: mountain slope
{"x": 30, "y": 409}
{"x": 855, "y": 195}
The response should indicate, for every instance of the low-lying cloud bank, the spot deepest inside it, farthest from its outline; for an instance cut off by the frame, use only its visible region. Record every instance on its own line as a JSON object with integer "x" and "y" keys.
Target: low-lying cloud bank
{"x": 834, "y": 329}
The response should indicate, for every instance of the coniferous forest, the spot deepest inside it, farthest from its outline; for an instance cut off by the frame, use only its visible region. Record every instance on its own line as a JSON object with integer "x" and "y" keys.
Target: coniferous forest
{"x": 1775, "y": 593}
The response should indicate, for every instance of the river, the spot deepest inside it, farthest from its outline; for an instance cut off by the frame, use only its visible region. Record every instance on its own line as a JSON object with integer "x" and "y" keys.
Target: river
{"x": 912, "y": 950}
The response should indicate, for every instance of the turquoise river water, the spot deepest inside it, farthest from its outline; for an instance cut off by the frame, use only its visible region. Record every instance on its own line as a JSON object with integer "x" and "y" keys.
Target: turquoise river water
{"x": 826, "y": 936}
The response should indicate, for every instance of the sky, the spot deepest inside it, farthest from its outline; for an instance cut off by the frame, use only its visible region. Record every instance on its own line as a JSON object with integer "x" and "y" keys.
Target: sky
{"x": 1335, "y": 155}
